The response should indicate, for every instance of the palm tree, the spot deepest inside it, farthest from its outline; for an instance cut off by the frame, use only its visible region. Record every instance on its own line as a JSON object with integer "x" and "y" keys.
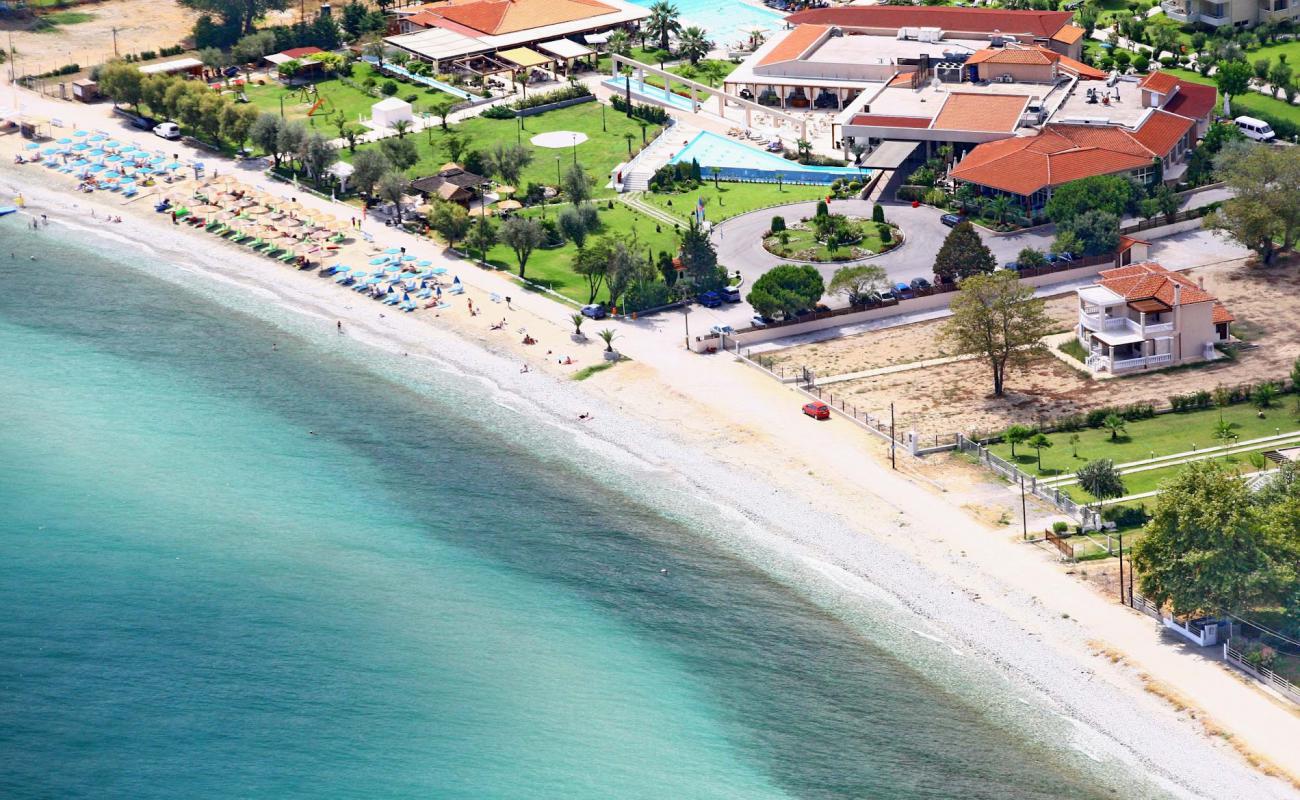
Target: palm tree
{"x": 999, "y": 207}
{"x": 577, "y": 320}
{"x": 619, "y": 43}
{"x": 694, "y": 44}
{"x": 376, "y": 50}
{"x": 630, "y": 137}
{"x": 662, "y": 22}
{"x": 713, "y": 72}
{"x": 1115, "y": 424}
{"x": 715, "y": 172}
{"x": 607, "y": 336}
{"x": 401, "y": 127}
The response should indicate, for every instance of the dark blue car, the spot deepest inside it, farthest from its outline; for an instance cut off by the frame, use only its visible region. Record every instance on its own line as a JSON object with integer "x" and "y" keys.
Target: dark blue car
{"x": 709, "y": 300}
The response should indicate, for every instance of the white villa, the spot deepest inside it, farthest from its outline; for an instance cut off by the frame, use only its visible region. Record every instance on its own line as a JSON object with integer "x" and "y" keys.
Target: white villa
{"x": 1143, "y": 316}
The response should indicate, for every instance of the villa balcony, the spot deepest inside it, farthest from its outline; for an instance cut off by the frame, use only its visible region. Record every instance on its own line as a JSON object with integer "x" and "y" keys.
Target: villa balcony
{"x": 1101, "y": 363}
{"x": 1097, "y": 322}
{"x": 1177, "y": 12}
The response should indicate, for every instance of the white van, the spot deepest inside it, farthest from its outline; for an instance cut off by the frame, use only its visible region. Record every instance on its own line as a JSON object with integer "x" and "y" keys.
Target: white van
{"x": 167, "y": 130}
{"x": 1256, "y": 129}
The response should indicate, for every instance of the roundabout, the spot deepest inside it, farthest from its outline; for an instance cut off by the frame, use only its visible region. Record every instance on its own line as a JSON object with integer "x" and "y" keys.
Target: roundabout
{"x": 833, "y": 239}
{"x": 555, "y": 140}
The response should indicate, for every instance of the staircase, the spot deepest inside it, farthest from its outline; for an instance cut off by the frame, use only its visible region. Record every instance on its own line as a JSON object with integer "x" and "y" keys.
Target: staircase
{"x": 636, "y": 177}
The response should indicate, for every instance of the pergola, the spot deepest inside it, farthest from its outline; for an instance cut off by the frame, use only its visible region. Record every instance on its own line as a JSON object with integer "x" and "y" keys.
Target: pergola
{"x": 483, "y": 65}
{"x": 566, "y": 50}
{"x": 524, "y": 58}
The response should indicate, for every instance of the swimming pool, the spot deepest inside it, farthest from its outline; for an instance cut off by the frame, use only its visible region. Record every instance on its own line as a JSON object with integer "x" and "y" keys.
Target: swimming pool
{"x": 726, "y": 21}
{"x": 648, "y": 91}
{"x": 742, "y": 162}
{"x": 432, "y": 83}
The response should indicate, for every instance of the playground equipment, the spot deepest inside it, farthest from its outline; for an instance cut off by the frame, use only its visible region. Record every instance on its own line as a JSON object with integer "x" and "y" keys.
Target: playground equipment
{"x": 320, "y": 103}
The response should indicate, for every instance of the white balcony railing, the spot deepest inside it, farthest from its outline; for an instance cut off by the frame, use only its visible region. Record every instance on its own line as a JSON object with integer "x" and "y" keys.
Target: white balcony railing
{"x": 1160, "y": 327}
{"x": 1125, "y": 364}
{"x": 1097, "y": 322}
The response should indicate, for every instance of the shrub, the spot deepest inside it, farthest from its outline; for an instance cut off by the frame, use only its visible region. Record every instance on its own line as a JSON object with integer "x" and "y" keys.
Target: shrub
{"x": 503, "y": 111}
{"x": 822, "y": 210}
{"x": 886, "y": 233}
{"x": 778, "y": 224}
{"x": 389, "y": 88}
{"x": 571, "y": 92}
{"x": 1126, "y": 516}
{"x": 412, "y": 97}
{"x": 855, "y": 186}
{"x": 1060, "y": 528}
{"x": 877, "y": 213}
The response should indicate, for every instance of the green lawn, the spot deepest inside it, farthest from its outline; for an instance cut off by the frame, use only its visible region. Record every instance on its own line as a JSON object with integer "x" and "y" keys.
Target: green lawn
{"x": 602, "y": 151}
{"x": 726, "y": 200}
{"x": 1152, "y": 479}
{"x": 801, "y": 244}
{"x": 337, "y": 96}
{"x": 1166, "y": 434}
{"x": 51, "y": 22}
{"x": 1251, "y": 103}
{"x": 553, "y": 268}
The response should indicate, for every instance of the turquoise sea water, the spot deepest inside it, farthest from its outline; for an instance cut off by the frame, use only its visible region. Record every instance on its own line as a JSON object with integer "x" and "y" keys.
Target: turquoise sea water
{"x": 237, "y": 564}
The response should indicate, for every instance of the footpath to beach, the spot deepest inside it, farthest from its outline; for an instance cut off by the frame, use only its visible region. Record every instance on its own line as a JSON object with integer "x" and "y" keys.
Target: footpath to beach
{"x": 998, "y": 599}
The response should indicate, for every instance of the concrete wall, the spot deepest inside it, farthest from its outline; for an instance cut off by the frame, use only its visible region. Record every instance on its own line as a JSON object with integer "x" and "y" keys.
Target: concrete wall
{"x": 1023, "y": 73}
{"x": 928, "y": 303}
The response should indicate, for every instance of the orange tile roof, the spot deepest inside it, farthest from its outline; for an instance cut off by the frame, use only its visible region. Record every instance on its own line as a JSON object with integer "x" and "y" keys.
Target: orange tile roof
{"x": 1222, "y": 314}
{"x": 949, "y": 18}
{"x": 795, "y": 44}
{"x": 1062, "y": 153}
{"x": 1034, "y": 55}
{"x": 1158, "y": 81}
{"x": 1149, "y": 280}
{"x": 901, "y": 79}
{"x": 496, "y": 17}
{"x": 1068, "y": 34}
{"x": 981, "y": 112}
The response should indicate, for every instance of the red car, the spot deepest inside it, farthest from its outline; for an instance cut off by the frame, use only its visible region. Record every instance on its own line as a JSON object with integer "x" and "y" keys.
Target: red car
{"x": 817, "y": 410}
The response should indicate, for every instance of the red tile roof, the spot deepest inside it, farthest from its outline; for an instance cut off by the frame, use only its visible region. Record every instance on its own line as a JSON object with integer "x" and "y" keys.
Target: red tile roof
{"x": 963, "y": 20}
{"x": 1063, "y": 153}
{"x": 1222, "y": 314}
{"x": 301, "y": 52}
{"x": 496, "y": 17}
{"x": 1148, "y": 281}
{"x": 795, "y": 44}
{"x": 998, "y": 113}
{"x": 1193, "y": 100}
{"x": 887, "y": 121}
{"x": 1162, "y": 82}
{"x": 1035, "y": 55}
{"x": 901, "y": 79}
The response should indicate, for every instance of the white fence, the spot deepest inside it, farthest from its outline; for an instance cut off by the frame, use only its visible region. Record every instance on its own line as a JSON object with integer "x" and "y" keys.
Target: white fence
{"x": 1263, "y": 675}
{"x": 1088, "y": 518}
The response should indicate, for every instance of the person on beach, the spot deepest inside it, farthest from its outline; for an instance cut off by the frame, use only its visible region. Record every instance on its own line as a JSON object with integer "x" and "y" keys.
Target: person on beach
{"x": 523, "y": 369}
{"x": 339, "y": 323}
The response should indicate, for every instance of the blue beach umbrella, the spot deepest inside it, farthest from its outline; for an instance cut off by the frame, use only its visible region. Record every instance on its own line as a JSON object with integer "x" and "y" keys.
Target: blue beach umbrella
{"x": 97, "y": 152}
{"x": 157, "y": 160}
{"x": 408, "y": 258}
{"x": 113, "y": 159}
{"x": 81, "y": 147}
{"x": 439, "y": 270}
{"x": 99, "y": 137}
{"x": 379, "y": 260}
{"x": 392, "y": 251}
{"x": 81, "y": 162}
{"x": 174, "y": 165}
{"x": 49, "y": 151}
{"x": 128, "y": 179}
{"x": 33, "y": 146}
{"x": 65, "y": 140}
{"x": 80, "y": 133}
{"x": 112, "y": 143}
{"x": 425, "y": 263}
{"x": 96, "y": 168}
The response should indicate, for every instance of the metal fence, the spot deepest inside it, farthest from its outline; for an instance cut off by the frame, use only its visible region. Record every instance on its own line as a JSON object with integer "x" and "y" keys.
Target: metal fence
{"x": 1088, "y": 518}
{"x": 1261, "y": 673}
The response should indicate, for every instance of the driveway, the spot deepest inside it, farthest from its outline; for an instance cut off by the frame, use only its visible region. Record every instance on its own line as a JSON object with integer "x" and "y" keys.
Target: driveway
{"x": 739, "y": 240}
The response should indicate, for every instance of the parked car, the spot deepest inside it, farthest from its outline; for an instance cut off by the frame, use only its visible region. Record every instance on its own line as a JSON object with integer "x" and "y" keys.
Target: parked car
{"x": 952, "y": 220}
{"x": 722, "y": 330}
{"x": 731, "y": 294}
{"x": 872, "y": 299}
{"x": 920, "y": 285}
{"x": 594, "y": 311}
{"x": 903, "y": 291}
{"x": 1256, "y": 129}
{"x": 1059, "y": 258}
{"x": 887, "y": 296}
{"x": 759, "y": 321}
{"x": 709, "y": 300}
{"x": 167, "y": 130}
{"x": 1011, "y": 265}
{"x": 817, "y": 410}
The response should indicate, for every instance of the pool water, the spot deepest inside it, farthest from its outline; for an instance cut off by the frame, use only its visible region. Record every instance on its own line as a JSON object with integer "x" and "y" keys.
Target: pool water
{"x": 739, "y": 161}
{"x": 649, "y": 91}
{"x": 726, "y": 21}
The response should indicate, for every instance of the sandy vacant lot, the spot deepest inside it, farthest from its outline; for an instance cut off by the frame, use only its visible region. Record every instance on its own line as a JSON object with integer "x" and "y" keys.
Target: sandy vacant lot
{"x": 141, "y": 25}
{"x": 955, "y": 397}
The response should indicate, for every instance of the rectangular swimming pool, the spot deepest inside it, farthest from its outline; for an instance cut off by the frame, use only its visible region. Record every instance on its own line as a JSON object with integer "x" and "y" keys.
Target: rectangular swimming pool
{"x": 741, "y": 162}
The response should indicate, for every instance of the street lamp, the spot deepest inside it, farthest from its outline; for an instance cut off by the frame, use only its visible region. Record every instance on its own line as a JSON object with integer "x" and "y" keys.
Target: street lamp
{"x": 686, "y": 318}
{"x": 574, "y": 136}
{"x": 281, "y": 106}
{"x": 557, "y": 172}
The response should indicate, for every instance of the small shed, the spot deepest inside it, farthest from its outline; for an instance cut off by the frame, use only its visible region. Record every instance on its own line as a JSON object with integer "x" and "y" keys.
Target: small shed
{"x": 85, "y": 90}
{"x": 389, "y": 110}
{"x": 188, "y": 66}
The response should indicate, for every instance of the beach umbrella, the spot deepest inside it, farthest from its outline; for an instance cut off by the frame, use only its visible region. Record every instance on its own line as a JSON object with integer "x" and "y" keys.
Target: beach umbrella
{"x": 79, "y": 133}
{"x": 425, "y": 263}
{"x": 392, "y": 251}
{"x": 35, "y": 145}
{"x": 408, "y": 258}
{"x": 65, "y": 140}
{"x": 99, "y": 137}
{"x": 113, "y": 159}
{"x": 440, "y": 271}
{"x": 174, "y": 165}
{"x": 128, "y": 180}
{"x": 157, "y": 160}
{"x": 49, "y": 151}
{"x": 112, "y": 143}
{"x": 509, "y": 205}
{"x": 96, "y": 168}
{"x": 81, "y": 147}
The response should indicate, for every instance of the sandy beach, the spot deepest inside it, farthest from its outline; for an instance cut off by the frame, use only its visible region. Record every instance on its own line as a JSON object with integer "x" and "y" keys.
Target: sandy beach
{"x": 815, "y": 505}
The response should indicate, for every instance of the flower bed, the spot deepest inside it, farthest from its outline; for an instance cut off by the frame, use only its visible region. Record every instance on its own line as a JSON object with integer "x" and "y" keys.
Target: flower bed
{"x": 800, "y": 242}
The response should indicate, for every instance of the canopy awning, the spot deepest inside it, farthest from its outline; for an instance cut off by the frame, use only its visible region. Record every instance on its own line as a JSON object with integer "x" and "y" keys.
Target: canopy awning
{"x": 1115, "y": 339}
{"x": 889, "y": 155}
{"x": 524, "y": 57}
{"x": 565, "y": 48}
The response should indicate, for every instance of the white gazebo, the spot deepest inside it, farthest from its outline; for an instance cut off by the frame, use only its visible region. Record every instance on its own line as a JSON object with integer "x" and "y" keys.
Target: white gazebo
{"x": 390, "y": 110}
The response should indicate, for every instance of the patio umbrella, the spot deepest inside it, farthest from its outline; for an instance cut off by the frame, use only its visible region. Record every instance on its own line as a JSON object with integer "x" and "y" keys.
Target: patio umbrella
{"x": 99, "y": 137}
{"x": 65, "y": 140}
{"x": 439, "y": 270}
{"x": 79, "y": 133}
{"x": 81, "y": 147}
{"x": 113, "y": 143}
{"x": 509, "y": 205}
{"x": 174, "y": 165}
{"x": 49, "y": 151}
{"x": 392, "y": 251}
{"x": 425, "y": 263}
{"x": 35, "y": 145}
{"x": 113, "y": 159}
{"x": 378, "y": 261}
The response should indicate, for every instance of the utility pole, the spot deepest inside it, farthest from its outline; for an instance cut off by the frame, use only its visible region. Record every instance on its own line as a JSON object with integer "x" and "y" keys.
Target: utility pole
{"x": 893, "y": 443}
{"x": 686, "y": 318}
{"x": 114, "y": 42}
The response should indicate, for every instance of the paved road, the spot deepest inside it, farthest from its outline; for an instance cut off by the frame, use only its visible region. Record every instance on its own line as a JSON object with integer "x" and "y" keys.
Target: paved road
{"x": 739, "y": 240}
